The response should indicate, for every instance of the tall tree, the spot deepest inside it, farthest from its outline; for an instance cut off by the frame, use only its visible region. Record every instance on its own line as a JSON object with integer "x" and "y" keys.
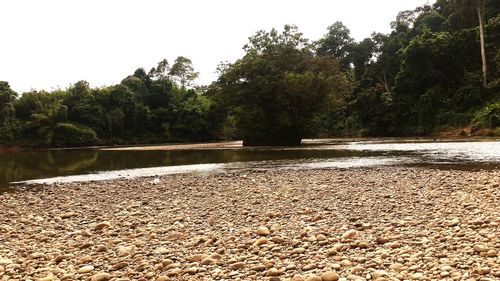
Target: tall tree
{"x": 7, "y": 95}
{"x": 479, "y": 8}
{"x": 361, "y": 54}
{"x": 336, "y": 43}
{"x": 183, "y": 72}
{"x": 161, "y": 71}
{"x": 7, "y": 111}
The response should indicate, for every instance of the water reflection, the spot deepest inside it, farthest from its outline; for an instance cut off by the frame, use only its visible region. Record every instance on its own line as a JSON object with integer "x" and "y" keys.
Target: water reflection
{"x": 22, "y": 166}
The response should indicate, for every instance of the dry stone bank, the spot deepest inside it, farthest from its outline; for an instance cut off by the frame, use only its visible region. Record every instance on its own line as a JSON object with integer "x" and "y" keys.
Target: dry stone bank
{"x": 360, "y": 224}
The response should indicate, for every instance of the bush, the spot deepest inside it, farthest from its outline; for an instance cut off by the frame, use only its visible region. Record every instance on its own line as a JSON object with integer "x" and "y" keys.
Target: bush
{"x": 487, "y": 117}
{"x": 67, "y": 134}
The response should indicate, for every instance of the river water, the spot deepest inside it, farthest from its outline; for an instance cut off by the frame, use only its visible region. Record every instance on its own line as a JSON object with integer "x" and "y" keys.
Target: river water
{"x": 48, "y": 166}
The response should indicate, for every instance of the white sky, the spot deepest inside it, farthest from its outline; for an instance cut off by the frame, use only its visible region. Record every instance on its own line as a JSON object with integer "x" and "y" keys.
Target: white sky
{"x": 53, "y": 43}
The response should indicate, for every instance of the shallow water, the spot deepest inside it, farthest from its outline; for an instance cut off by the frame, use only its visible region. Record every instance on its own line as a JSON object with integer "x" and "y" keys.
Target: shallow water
{"x": 94, "y": 164}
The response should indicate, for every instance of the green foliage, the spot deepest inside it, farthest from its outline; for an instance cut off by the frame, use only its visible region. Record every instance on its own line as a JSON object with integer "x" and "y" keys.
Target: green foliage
{"x": 426, "y": 74}
{"x": 67, "y": 134}
{"x": 278, "y": 89}
{"x": 360, "y": 55}
{"x": 336, "y": 43}
{"x": 372, "y": 110}
{"x": 433, "y": 22}
{"x": 145, "y": 107}
{"x": 183, "y": 72}
{"x": 470, "y": 91}
{"x": 488, "y": 116}
{"x": 8, "y": 123}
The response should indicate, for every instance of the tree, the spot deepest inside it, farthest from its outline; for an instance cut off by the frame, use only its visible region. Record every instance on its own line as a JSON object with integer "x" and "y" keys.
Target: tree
{"x": 387, "y": 63}
{"x": 141, "y": 74}
{"x": 429, "y": 73}
{"x": 431, "y": 21}
{"x": 479, "y": 8}
{"x": 161, "y": 71}
{"x": 7, "y": 111}
{"x": 361, "y": 54}
{"x": 336, "y": 43}
{"x": 183, "y": 72}
{"x": 7, "y": 95}
{"x": 278, "y": 89}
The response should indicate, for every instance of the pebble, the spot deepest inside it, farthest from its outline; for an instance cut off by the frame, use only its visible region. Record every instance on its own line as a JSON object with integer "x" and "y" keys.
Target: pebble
{"x": 491, "y": 253}
{"x": 480, "y": 248}
{"x": 191, "y": 270}
{"x": 278, "y": 239}
{"x": 453, "y": 222}
{"x": 173, "y": 272}
{"x": 208, "y": 260}
{"x": 330, "y": 276}
{"x": 260, "y": 241}
{"x": 86, "y": 269}
{"x": 350, "y": 234}
{"x": 396, "y": 266}
{"x": 310, "y": 266}
{"x": 258, "y": 268}
{"x": 197, "y": 258}
{"x": 321, "y": 237}
{"x": 313, "y": 278}
{"x": 395, "y": 245}
{"x": 297, "y": 278}
{"x": 357, "y": 269}
{"x": 119, "y": 265}
{"x": 238, "y": 265}
{"x": 297, "y": 251}
{"x": 262, "y": 230}
{"x": 68, "y": 215}
{"x": 5, "y": 261}
{"x": 273, "y": 272}
{"x": 484, "y": 270}
{"x": 382, "y": 239}
{"x": 102, "y": 225}
{"x": 378, "y": 273}
{"x": 100, "y": 277}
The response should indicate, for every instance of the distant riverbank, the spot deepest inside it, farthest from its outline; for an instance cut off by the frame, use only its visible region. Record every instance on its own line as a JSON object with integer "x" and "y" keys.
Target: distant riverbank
{"x": 318, "y": 141}
{"x": 370, "y": 223}
{"x": 451, "y": 135}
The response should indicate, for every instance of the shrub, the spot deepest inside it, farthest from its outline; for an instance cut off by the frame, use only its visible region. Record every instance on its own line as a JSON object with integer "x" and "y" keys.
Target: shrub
{"x": 487, "y": 117}
{"x": 67, "y": 134}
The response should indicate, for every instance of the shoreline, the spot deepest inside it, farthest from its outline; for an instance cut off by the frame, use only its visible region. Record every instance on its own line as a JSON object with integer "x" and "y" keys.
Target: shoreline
{"x": 231, "y": 144}
{"x": 384, "y": 223}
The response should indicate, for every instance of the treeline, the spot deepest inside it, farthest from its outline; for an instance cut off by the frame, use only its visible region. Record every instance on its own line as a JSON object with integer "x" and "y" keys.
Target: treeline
{"x": 146, "y": 107}
{"x": 427, "y": 75}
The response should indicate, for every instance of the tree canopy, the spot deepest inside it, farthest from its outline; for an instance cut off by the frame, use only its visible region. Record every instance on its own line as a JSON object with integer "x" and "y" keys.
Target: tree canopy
{"x": 279, "y": 88}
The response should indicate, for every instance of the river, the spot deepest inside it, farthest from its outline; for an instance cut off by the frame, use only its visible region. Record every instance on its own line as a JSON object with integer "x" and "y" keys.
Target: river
{"x": 48, "y": 166}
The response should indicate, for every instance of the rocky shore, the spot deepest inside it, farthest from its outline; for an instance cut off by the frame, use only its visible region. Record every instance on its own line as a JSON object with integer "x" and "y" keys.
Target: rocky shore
{"x": 385, "y": 223}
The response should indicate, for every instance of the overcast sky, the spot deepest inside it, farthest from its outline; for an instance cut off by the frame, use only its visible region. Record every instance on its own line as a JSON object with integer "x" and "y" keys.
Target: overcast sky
{"x": 53, "y": 43}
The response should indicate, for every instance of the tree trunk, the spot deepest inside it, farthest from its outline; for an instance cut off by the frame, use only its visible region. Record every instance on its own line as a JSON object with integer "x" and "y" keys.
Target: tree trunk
{"x": 386, "y": 85}
{"x": 479, "y": 4}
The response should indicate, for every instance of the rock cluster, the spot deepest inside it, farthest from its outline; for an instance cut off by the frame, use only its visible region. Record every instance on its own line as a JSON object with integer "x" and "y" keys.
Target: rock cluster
{"x": 358, "y": 224}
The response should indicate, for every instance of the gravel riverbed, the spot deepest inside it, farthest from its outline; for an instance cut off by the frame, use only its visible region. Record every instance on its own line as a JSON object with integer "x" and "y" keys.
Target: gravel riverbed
{"x": 389, "y": 223}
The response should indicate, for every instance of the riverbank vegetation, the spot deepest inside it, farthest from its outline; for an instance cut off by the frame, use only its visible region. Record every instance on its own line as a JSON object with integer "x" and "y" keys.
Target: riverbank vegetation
{"x": 437, "y": 70}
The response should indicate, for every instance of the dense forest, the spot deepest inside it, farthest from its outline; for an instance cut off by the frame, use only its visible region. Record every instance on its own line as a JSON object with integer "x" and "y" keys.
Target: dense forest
{"x": 438, "y": 70}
